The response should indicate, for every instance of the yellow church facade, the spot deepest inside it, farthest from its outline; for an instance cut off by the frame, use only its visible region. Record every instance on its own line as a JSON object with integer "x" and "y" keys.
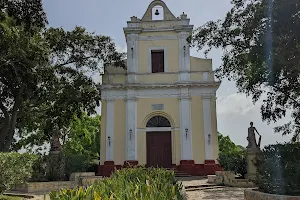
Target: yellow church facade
{"x": 161, "y": 110}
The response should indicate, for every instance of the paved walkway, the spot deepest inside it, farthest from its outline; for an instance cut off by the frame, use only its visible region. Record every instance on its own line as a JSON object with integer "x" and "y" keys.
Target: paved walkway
{"x": 216, "y": 194}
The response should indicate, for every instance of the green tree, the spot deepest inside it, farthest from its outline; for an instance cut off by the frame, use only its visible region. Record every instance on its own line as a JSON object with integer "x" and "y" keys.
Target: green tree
{"x": 226, "y": 146}
{"x": 232, "y": 157}
{"x": 261, "y": 43}
{"x": 84, "y": 136}
{"x": 46, "y": 74}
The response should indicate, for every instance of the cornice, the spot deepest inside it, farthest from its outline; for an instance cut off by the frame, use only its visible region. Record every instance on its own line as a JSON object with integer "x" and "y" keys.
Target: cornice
{"x": 151, "y": 85}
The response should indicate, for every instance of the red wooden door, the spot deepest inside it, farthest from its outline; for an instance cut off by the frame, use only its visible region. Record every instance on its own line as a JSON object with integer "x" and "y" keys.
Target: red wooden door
{"x": 159, "y": 149}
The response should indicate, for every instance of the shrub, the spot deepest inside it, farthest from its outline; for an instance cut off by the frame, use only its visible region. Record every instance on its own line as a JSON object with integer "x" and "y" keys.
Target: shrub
{"x": 278, "y": 169}
{"x": 234, "y": 161}
{"x": 15, "y": 168}
{"x": 77, "y": 163}
{"x": 132, "y": 183}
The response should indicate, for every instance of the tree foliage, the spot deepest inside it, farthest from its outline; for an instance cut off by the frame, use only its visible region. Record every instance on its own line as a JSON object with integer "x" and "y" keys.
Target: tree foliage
{"x": 261, "y": 43}
{"x": 46, "y": 74}
{"x": 232, "y": 157}
{"x": 84, "y": 136}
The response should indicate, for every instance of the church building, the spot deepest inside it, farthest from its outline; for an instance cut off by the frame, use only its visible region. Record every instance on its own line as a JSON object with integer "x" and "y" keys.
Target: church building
{"x": 161, "y": 110}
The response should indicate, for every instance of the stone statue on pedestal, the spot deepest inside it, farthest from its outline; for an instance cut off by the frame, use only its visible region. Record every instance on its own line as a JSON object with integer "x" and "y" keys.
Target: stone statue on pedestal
{"x": 55, "y": 162}
{"x": 253, "y": 152}
{"x": 55, "y": 146}
{"x": 251, "y": 137}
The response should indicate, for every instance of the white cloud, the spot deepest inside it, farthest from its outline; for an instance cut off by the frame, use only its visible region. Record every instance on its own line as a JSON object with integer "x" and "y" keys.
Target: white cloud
{"x": 235, "y": 104}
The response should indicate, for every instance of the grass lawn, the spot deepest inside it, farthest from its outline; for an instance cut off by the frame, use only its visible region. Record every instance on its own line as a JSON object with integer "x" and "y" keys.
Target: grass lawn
{"x": 4, "y": 197}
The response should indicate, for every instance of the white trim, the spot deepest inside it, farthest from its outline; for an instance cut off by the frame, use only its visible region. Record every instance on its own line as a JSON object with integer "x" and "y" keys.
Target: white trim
{"x": 158, "y": 93}
{"x": 132, "y": 56}
{"x": 205, "y": 76}
{"x": 110, "y": 131}
{"x": 185, "y": 123}
{"x": 184, "y": 57}
{"x": 131, "y": 121}
{"x": 147, "y": 73}
{"x": 158, "y": 129}
{"x": 165, "y": 58}
{"x": 207, "y": 127}
{"x": 154, "y": 38}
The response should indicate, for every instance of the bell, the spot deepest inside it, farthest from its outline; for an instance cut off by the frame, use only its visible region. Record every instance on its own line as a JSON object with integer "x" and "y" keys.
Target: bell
{"x": 156, "y": 12}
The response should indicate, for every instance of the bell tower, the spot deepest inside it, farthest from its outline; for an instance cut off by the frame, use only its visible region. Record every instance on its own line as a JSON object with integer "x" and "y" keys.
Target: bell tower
{"x": 158, "y": 24}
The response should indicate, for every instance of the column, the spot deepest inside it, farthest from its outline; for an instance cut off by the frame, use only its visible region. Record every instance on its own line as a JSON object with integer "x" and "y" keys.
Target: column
{"x": 207, "y": 127}
{"x": 184, "y": 57}
{"x": 185, "y": 125}
{"x": 132, "y": 57}
{"x": 110, "y": 130}
{"x": 131, "y": 128}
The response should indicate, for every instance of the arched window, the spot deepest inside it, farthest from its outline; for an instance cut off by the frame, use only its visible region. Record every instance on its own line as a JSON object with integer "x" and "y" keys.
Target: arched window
{"x": 157, "y": 13}
{"x": 158, "y": 121}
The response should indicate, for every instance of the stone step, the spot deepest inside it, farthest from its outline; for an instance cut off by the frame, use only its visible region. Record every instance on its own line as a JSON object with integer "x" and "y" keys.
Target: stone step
{"x": 197, "y": 188}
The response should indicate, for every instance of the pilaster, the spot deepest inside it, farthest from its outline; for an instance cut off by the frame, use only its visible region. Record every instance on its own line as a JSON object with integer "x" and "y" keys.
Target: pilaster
{"x": 131, "y": 126}
{"x": 110, "y": 130}
{"x": 185, "y": 125}
{"x": 132, "y": 56}
{"x": 207, "y": 127}
{"x": 184, "y": 57}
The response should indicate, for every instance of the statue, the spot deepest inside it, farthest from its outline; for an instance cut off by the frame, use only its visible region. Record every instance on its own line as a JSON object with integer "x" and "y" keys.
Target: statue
{"x": 251, "y": 137}
{"x": 55, "y": 145}
{"x": 253, "y": 152}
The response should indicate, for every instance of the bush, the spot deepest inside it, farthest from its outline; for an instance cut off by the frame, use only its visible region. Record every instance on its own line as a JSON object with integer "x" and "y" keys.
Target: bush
{"x": 278, "y": 169}
{"x": 131, "y": 183}
{"x": 15, "y": 169}
{"x": 77, "y": 163}
{"x": 234, "y": 161}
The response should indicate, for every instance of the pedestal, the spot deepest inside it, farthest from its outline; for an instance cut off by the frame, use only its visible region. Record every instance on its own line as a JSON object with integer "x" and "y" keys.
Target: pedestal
{"x": 252, "y": 156}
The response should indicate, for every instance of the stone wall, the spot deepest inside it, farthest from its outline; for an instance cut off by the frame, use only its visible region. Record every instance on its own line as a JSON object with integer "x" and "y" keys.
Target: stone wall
{"x": 255, "y": 195}
{"x": 44, "y": 187}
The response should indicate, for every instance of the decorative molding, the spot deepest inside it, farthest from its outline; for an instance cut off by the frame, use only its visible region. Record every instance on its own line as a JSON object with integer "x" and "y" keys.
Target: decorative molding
{"x": 161, "y": 85}
{"x": 165, "y": 58}
{"x": 165, "y": 92}
{"x": 159, "y": 129}
{"x": 153, "y": 38}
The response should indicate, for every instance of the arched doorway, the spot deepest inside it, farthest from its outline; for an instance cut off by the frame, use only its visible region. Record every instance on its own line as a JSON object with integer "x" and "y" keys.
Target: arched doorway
{"x": 159, "y": 143}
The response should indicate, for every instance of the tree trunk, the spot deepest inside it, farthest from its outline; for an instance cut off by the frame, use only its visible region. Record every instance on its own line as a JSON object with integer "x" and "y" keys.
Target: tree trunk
{"x": 13, "y": 121}
{"x": 4, "y": 130}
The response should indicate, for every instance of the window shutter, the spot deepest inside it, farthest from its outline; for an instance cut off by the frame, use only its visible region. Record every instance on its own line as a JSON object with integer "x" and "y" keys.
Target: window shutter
{"x": 157, "y": 58}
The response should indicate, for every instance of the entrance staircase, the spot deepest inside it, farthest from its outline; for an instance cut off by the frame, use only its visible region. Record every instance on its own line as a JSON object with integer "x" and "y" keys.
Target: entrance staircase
{"x": 179, "y": 173}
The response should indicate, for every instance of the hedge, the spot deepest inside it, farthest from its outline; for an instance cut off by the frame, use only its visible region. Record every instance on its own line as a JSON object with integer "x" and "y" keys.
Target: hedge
{"x": 126, "y": 184}
{"x": 234, "y": 161}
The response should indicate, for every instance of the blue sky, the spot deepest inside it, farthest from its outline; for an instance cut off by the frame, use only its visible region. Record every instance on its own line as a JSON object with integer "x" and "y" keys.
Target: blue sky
{"x": 234, "y": 110}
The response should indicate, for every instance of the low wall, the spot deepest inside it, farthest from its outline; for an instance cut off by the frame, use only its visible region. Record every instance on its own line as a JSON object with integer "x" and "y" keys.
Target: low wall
{"x": 44, "y": 187}
{"x": 255, "y": 195}
{"x": 86, "y": 181}
{"x": 76, "y": 175}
